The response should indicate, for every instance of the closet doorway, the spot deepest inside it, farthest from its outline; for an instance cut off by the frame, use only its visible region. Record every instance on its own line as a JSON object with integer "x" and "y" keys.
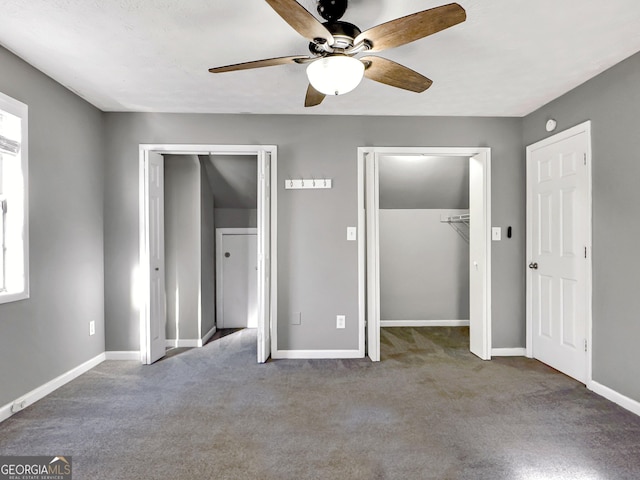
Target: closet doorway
{"x": 472, "y": 224}
{"x": 150, "y": 292}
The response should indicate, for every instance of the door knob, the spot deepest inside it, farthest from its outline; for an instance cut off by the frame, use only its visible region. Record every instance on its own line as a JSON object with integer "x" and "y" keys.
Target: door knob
{"x": 533, "y": 265}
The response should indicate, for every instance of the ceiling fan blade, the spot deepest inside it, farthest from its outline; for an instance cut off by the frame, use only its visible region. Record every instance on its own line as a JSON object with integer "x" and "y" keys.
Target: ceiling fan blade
{"x": 392, "y": 73}
{"x": 270, "y": 62}
{"x": 301, "y": 20}
{"x": 412, "y": 27}
{"x": 313, "y": 97}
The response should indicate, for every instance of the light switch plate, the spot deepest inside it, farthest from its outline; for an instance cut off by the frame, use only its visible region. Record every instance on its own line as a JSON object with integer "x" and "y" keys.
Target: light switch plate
{"x": 296, "y": 318}
{"x": 340, "y": 321}
{"x": 351, "y": 234}
{"x": 496, "y": 234}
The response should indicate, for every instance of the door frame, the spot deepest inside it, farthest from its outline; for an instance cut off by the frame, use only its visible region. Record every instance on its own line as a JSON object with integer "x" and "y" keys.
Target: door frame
{"x": 584, "y": 127}
{"x": 221, "y": 232}
{"x": 368, "y": 236}
{"x": 141, "y": 288}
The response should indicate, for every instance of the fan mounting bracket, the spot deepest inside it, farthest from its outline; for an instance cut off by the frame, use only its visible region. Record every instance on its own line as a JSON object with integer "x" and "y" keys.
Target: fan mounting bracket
{"x": 332, "y": 10}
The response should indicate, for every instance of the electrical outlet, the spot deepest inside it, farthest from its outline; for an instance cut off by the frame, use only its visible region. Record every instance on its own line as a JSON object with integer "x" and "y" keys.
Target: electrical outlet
{"x": 92, "y": 328}
{"x": 340, "y": 321}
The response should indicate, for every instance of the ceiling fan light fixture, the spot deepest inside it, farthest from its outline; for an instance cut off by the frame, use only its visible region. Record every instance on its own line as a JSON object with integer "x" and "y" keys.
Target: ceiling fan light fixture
{"x": 336, "y": 74}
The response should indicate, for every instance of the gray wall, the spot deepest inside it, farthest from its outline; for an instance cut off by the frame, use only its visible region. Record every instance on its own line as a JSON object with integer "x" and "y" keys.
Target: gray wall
{"x": 182, "y": 238}
{"x": 317, "y": 266}
{"x": 424, "y": 266}
{"x": 207, "y": 254}
{"x": 234, "y": 179}
{"x": 48, "y": 334}
{"x": 424, "y": 182}
{"x": 236, "y": 218}
{"x": 612, "y": 102}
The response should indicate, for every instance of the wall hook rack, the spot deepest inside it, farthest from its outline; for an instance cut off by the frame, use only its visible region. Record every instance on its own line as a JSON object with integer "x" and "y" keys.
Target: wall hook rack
{"x": 307, "y": 183}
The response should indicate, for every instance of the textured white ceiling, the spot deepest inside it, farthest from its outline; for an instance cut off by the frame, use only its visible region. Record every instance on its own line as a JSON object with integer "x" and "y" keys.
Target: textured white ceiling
{"x": 509, "y": 58}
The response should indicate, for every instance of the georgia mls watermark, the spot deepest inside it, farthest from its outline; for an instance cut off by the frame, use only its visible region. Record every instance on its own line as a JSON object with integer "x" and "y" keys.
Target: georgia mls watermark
{"x": 35, "y": 468}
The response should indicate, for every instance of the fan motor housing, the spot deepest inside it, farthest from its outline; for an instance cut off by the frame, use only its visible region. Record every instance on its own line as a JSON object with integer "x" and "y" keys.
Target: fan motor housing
{"x": 342, "y": 29}
{"x": 343, "y": 35}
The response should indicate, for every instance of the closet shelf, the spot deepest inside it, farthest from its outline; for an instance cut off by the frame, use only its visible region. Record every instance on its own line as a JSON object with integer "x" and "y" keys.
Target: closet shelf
{"x": 455, "y": 220}
{"x": 464, "y": 218}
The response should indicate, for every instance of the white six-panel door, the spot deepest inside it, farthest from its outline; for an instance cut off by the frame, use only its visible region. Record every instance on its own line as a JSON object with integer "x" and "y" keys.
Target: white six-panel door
{"x": 558, "y": 250}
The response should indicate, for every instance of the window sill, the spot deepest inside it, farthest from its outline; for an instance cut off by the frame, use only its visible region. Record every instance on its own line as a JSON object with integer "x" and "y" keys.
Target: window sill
{"x": 8, "y": 297}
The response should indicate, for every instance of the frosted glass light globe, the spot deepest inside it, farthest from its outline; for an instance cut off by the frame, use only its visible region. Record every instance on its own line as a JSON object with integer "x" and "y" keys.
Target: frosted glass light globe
{"x": 335, "y": 75}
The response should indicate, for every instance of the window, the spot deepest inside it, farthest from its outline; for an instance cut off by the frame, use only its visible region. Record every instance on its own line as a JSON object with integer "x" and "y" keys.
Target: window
{"x": 14, "y": 213}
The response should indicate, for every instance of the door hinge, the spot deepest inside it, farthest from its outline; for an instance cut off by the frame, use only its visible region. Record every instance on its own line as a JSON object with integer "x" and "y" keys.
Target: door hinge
{"x": 585, "y": 158}
{"x": 585, "y": 252}
{"x": 585, "y": 344}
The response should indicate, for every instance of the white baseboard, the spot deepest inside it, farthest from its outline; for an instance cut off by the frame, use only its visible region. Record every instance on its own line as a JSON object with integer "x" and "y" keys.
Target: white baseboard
{"x": 132, "y": 355}
{"x": 606, "y": 392}
{"x": 315, "y": 354}
{"x": 424, "y": 323}
{"x": 508, "y": 352}
{"x": 42, "y": 391}
{"x": 207, "y": 336}
{"x": 184, "y": 343}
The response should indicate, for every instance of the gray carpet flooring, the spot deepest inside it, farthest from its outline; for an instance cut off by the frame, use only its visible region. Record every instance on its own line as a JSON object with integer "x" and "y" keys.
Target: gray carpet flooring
{"x": 429, "y": 410}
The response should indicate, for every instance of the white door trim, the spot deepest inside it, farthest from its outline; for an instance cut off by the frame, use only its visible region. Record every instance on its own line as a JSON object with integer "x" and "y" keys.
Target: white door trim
{"x": 220, "y": 232}
{"x": 484, "y": 154}
{"x": 578, "y": 129}
{"x": 140, "y": 276}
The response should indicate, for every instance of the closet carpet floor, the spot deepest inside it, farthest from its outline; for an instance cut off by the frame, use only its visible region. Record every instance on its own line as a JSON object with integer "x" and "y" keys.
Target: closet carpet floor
{"x": 428, "y": 410}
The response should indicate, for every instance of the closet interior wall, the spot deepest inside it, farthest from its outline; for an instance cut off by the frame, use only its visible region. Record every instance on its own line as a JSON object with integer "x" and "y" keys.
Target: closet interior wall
{"x": 424, "y": 259}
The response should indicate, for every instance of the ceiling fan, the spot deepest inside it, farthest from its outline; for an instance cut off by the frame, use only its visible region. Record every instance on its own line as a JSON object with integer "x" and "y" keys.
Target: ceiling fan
{"x": 333, "y": 68}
